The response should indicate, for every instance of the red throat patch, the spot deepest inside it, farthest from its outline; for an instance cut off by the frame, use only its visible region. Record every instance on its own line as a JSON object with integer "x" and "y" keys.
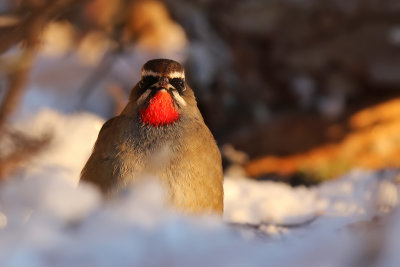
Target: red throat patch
{"x": 160, "y": 111}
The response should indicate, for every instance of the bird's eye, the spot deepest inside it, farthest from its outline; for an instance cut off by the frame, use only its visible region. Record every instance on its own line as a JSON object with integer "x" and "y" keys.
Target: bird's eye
{"x": 178, "y": 83}
{"x": 148, "y": 81}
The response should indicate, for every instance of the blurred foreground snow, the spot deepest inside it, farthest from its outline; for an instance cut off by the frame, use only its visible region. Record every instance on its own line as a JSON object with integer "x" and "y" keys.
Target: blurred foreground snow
{"x": 46, "y": 220}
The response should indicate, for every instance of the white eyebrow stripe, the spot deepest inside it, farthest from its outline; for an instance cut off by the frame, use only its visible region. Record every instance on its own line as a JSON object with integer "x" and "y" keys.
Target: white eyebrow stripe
{"x": 179, "y": 98}
{"x": 172, "y": 75}
{"x": 143, "y": 97}
{"x": 150, "y": 73}
{"x": 176, "y": 74}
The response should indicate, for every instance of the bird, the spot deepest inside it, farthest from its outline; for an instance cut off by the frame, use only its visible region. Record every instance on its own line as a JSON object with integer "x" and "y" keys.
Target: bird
{"x": 160, "y": 133}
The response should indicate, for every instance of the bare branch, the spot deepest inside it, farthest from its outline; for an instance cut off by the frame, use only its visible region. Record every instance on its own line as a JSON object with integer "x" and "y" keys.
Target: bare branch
{"x": 24, "y": 148}
{"x": 34, "y": 22}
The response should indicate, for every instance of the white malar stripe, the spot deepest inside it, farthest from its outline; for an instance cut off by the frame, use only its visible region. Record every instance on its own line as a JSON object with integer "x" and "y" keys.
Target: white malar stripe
{"x": 150, "y": 73}
{"x": 179, "y": 98}
{"x": 143, "y": 97}
{"x": 176, "y": 74}
{"x": 170, "y": 87}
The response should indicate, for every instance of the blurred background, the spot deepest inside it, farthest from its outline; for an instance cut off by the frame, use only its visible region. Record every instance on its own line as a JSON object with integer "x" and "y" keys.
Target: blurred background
{"x": 295, "y": 90}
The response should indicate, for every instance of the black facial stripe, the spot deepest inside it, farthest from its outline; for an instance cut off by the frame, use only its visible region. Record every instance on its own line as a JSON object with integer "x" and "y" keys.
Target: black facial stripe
{"x": 178, "y": 83}
{"x": 149, "y": 80}
{"x": 146, "y": 82}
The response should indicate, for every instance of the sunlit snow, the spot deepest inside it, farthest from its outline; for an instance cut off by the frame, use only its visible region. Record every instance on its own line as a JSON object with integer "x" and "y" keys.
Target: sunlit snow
{"x": 46, "y": 220}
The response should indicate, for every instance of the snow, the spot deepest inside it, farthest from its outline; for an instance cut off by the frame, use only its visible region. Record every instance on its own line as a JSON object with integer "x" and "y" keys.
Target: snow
{"x": 249, "y": 201}
{"x": 72, "y": 138}
{"x": 47, "y": 220}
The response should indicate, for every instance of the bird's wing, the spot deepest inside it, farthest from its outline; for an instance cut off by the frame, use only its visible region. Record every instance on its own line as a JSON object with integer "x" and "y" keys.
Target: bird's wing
{"x": 99, "y": 168}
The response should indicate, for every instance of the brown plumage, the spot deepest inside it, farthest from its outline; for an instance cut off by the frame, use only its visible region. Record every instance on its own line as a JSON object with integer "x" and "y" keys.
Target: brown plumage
{"x": 160, "y": 133}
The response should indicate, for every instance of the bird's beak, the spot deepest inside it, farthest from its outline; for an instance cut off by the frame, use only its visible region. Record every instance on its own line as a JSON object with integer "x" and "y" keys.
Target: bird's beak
{"x": 163, "y": 83}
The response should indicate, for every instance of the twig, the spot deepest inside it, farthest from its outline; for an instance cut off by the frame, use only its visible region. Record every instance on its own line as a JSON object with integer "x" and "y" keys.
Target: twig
{"x": 109, "y": 58}
{"x": 96, "y": 76}
{"x": 34, "y": 22}
{"x": 25, "y": 148}
{"x": 28, "y": 31}
{"x": 258, "y": 226}
{"x": 17, "y": 81}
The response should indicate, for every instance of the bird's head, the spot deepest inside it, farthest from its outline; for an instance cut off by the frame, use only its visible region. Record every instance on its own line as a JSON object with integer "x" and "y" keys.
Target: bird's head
{"x": 162, "y": 93}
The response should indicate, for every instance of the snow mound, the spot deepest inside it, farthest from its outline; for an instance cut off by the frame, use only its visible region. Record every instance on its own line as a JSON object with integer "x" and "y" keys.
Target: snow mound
{"x": 249, "y": 201}
{"x": 45, "y": 220}
{"x": 72, "y": 139}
